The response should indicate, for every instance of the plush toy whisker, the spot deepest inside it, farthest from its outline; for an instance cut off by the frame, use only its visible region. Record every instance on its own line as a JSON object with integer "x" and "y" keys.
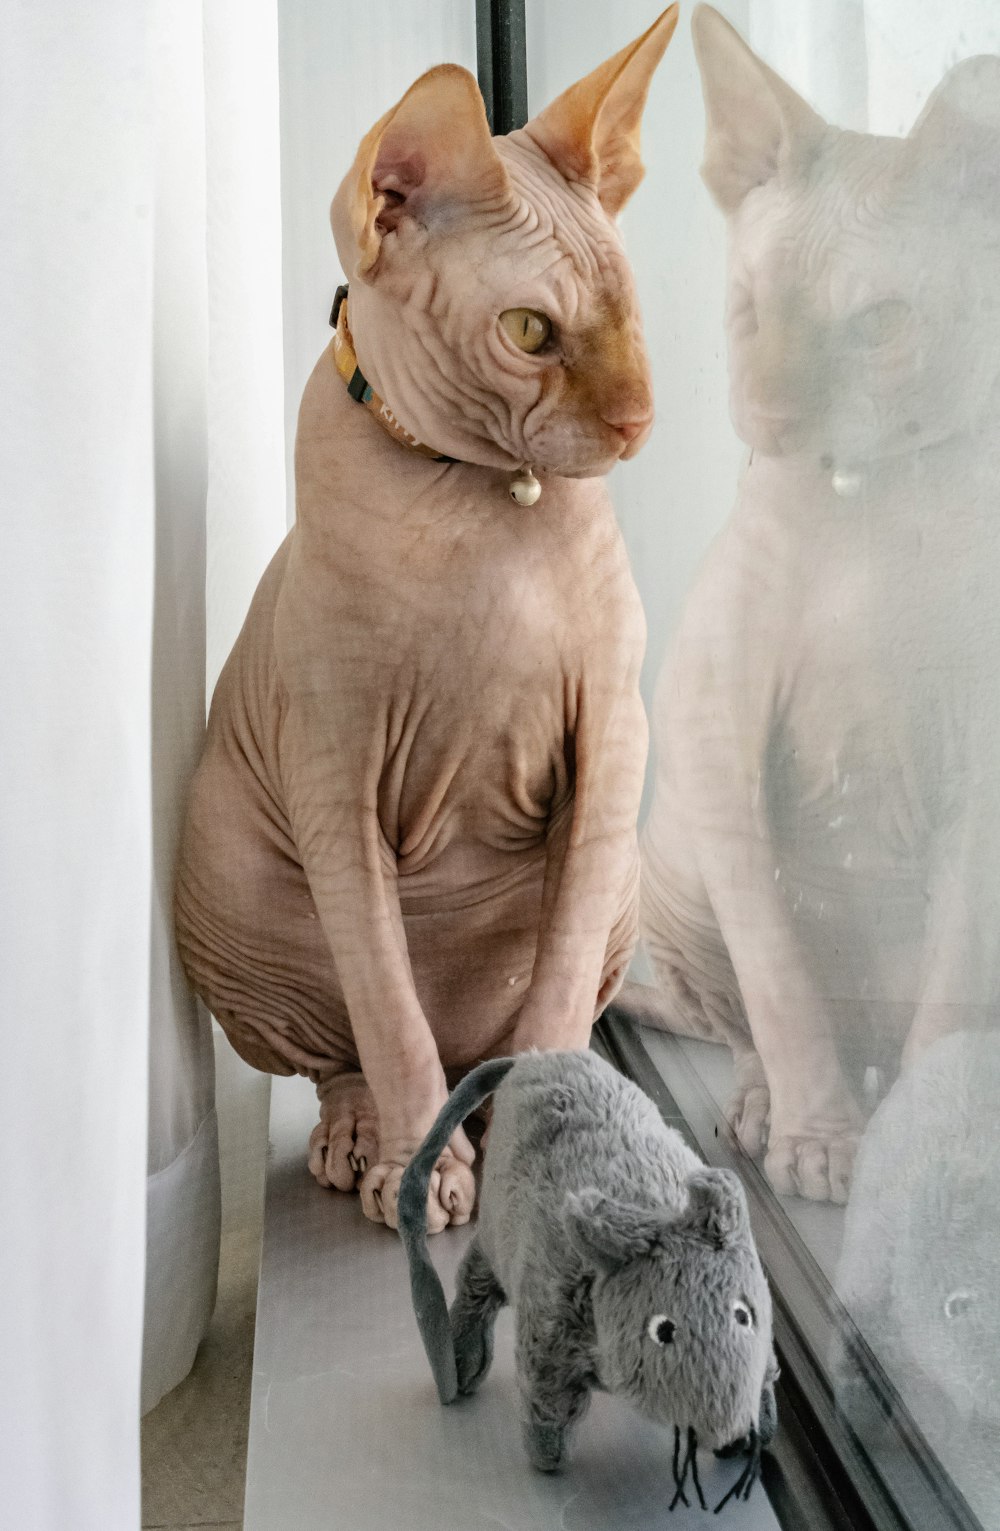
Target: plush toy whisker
{"x": 679, "y": 1497}
{"x": 693, "y": 1459}
{"x": 690, "y": 1465}
{"x": 743, "y": 1487}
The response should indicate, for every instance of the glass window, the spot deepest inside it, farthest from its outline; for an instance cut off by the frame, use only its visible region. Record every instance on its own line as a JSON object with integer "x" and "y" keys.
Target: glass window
{"x": 814, "y": 529}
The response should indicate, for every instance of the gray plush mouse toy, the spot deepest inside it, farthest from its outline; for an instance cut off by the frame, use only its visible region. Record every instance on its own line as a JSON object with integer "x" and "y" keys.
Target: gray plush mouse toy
{"x": 630, "y": 1266}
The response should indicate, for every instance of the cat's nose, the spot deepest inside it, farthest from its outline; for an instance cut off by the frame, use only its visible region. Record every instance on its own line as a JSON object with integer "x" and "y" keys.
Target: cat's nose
{"x": 629, "y": 415}
{"x": 628, "y": 430}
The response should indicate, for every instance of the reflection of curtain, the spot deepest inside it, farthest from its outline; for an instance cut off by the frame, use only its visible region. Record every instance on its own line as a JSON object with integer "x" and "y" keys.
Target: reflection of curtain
{"x": 819, "y": 47}
{"x": 114, "y": 409}
{"x": 869, "y": 64}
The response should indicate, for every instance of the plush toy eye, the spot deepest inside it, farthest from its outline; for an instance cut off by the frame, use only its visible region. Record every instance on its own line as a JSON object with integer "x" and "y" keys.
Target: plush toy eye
{"x": 527, "y": 329}
{"x": 661, "y": 1330}
{"x": 743, "y": 1314}
{"x": 958, "y": 1303}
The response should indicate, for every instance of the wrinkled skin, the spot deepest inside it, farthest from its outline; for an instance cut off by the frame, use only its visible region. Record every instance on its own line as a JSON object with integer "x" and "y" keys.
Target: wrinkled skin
{"x": 819, "y": 869}
{"x": 411, "y": 839}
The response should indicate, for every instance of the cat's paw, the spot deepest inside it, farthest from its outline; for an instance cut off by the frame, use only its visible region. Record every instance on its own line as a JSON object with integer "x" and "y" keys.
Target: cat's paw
{"x": 818, "y": 1167}
{"x": 345, "y": 1140}
{"x": 451, "y": 1194}
{"x": 748, "y": 1110}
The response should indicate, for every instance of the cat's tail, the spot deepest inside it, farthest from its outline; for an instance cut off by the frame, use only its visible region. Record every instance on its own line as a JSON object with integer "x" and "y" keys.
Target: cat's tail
{"x": 429, "y": 1302}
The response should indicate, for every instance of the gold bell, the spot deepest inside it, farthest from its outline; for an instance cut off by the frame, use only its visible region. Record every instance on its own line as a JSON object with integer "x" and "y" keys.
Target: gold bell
{"x": 524, "y": 487}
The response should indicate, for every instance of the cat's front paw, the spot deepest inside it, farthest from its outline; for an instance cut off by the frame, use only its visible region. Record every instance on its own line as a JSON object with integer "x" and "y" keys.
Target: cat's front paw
{"x": 345, "y": 1140}
{"x": 817, "y": 1166}
{"x": 451, "y": 1194}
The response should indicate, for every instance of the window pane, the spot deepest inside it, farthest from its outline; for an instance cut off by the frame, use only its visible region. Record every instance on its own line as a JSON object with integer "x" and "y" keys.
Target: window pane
{"x": 813, "y": 528}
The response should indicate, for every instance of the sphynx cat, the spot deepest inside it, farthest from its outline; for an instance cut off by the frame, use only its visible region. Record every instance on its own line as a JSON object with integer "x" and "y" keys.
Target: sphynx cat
{"x": 411, "y": 839}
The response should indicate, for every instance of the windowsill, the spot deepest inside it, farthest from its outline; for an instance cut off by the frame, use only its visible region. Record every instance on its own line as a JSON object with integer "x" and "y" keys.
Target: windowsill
{"x": 345, "y": 1424}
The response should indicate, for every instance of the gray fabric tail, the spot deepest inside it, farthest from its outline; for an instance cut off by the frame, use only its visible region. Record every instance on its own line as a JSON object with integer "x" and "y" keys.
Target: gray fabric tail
{"x": 429, "y": 1302}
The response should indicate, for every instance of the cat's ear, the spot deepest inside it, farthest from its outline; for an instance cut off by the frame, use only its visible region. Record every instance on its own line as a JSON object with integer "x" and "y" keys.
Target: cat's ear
{"x": 591, "y": 132}
{"x": 962, "y": 114}
{"x": 756, "y": 125}
{"x": 430, "y": 157}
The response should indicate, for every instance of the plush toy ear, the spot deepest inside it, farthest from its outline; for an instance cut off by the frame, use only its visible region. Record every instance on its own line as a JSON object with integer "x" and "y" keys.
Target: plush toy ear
{"x": 756, "y": 125}
{"x": 717, "y": 1207}
{"x": 591, "y": 132}
{"x": 427, "y": 158}
{"x": 610, "y": 1233}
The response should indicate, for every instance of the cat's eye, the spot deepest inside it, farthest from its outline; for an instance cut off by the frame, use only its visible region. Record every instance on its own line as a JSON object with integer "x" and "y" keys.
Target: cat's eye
{"x": 744, "y": 1315}
{"x": 880, "y": 323}
{"x": 958, "y": 1303}
{"x": 529, "y": 330}
{"x": 661, "y": 1330}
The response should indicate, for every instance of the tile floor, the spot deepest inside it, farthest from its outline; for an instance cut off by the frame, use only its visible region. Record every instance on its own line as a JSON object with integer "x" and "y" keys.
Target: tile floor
{"x": 194, "y": 1443}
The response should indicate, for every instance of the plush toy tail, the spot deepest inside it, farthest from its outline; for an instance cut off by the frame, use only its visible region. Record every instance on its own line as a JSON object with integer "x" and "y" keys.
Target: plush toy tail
{"x": 429, "y": 1303}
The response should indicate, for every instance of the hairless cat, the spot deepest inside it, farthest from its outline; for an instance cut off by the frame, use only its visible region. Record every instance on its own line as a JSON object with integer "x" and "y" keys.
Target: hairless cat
{"x": 411, "y": 840}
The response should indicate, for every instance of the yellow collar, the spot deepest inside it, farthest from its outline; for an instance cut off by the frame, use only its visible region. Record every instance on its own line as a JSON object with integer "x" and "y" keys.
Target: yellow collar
{"x": 359, "y": 387}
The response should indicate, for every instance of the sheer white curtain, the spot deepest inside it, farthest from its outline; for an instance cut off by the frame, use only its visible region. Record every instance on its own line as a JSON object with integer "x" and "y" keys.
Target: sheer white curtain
{"x": 129, "y": 384}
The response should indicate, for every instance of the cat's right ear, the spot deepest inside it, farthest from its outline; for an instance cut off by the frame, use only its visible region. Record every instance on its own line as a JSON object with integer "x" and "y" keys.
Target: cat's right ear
{"x": 430, "y": 158}
{"x": 756, "y": 125}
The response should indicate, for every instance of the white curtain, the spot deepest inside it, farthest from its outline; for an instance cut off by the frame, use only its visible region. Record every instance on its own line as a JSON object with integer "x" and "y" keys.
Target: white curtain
{"x": 140, "y": 350}
{"x": 220, "y": 514}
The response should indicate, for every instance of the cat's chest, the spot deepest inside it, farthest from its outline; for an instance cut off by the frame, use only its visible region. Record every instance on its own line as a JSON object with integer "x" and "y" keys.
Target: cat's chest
{"x": 461, "y": 637}
{"x": 883, "y": 687}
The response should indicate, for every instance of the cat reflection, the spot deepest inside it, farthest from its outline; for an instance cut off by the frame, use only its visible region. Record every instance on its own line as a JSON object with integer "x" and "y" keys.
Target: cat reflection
{"x": 920, "y": 1267}
{"x": 822, "y": 861}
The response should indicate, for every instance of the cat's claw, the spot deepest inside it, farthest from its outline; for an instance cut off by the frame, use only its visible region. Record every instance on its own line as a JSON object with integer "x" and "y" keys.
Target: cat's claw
{"x": 816, "y": 1167}
{"x": 451, "y": 1195}
{"x": 345, "y": 1140}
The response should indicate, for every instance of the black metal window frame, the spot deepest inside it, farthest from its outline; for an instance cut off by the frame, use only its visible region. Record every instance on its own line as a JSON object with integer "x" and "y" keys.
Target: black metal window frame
{"x": 501, "y": 57}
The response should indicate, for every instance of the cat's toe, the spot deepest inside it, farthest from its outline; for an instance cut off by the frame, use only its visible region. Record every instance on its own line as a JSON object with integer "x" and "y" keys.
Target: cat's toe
{"x": 748, "y": 1111}
{"x": 749, "y": 1115}
{"x": 450, "y": 1194}
{"x": 345, "y": 1140}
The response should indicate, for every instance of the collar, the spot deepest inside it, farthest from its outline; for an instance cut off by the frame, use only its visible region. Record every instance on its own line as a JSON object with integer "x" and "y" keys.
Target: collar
{"x": 359, "y": 387}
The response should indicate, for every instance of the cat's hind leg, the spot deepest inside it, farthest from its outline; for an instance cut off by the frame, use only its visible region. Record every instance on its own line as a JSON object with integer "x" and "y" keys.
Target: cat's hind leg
{"x": 478, "y": 1300}
{"x": 345, "y": 1140}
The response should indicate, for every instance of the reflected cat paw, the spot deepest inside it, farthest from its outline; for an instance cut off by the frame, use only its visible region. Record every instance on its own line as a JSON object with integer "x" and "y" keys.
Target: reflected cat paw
{"x": 816, "y": 1167}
